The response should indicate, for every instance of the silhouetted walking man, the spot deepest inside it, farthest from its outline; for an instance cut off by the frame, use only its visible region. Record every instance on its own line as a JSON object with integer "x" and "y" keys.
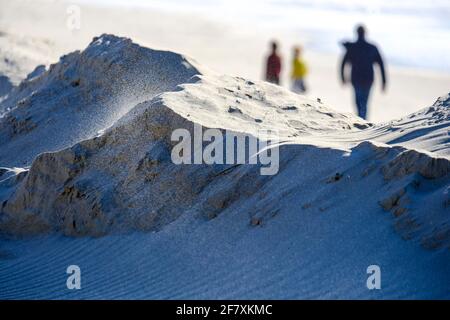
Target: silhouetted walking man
{"x": 273, "y": 67}
{"x": 362, "y": 55}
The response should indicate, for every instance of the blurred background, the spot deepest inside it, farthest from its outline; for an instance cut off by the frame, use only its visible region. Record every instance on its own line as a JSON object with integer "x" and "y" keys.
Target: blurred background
{"x": 232, "y": 36}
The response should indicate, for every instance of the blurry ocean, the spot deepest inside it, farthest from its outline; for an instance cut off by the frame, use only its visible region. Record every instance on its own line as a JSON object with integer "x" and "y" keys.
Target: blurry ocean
{"x": 413, "y": 33}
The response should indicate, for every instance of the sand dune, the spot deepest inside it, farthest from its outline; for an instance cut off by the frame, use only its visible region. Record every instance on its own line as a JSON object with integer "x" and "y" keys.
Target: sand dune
{"x": 82, "y": 94}
{"x": 347, "y": 194}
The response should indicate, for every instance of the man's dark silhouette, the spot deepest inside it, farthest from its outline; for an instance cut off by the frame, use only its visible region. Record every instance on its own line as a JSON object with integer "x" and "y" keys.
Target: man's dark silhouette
{"x": 273, "y": 67}
{"x": 362, "y": 55}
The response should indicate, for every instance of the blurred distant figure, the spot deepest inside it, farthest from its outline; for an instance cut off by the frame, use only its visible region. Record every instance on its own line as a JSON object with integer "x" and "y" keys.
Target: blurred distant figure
{"x": 273, "y": 67}
{"x": 362, "y": 55}
{"x": 299, "y": 71}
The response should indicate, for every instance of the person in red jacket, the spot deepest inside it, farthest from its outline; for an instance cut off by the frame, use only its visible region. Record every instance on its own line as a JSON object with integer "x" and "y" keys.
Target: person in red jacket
{"x": 273, "y": 68}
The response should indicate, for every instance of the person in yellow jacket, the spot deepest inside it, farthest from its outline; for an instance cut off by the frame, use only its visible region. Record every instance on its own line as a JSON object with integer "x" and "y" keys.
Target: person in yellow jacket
{"x": 299, "y": 71}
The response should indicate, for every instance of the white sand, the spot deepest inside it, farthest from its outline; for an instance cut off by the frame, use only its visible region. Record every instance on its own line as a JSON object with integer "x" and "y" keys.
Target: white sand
{"x": 223, "y": 231}
{"x": 338, "y": 204}
{"x": 235, "y": 50}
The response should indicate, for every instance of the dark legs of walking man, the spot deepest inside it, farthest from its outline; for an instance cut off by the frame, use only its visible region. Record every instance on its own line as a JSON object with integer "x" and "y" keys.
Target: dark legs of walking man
{"x": 361, "y": 56}
{"x": 361, "y": 98}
